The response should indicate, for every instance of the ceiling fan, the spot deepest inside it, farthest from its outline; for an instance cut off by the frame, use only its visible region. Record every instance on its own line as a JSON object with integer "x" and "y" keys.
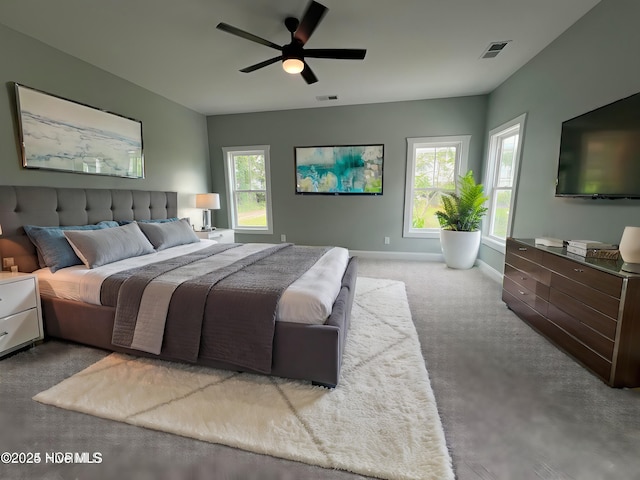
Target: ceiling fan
{"x": 294, "y": 54}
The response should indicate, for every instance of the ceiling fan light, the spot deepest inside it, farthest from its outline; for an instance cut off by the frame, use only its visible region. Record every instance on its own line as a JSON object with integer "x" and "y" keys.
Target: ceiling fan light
{"x": 293, "y": 65}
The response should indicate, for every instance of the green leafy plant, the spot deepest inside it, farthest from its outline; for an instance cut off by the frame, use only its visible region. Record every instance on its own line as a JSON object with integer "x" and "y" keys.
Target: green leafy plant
{"x": 463, "y": 210}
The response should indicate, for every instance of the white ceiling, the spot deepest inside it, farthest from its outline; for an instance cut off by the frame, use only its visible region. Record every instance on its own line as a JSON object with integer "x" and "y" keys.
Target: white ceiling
{"x": 416, "y": 49}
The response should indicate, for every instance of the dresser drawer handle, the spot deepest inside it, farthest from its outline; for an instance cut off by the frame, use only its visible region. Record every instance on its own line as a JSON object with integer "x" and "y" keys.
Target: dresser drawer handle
{"x": 3, "y": 334}
{"x": 521, "y": 292}
{"x": 579, "y": 270}
{"x": 522, "y": 249}
{"x": 523, "y": 278}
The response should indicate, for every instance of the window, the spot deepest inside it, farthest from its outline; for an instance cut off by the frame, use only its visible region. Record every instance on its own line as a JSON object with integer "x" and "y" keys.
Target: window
{"x": 433, "y": 166}
{"x": 248, "y": 188}
{"x": 505, "y": 143}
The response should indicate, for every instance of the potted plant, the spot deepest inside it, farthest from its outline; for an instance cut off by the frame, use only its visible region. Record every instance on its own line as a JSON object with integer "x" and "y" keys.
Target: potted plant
{"x": 460, "y": 219}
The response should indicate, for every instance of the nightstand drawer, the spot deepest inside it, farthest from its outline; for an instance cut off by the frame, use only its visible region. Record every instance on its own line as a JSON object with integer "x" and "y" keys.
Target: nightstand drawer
{"x": 17, "y": 296}
{"x": 20, "y": 328}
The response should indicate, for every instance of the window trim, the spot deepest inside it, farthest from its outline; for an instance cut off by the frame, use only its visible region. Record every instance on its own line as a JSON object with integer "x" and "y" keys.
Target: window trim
{"x": 462, "y": 143}
{"x": 489, "y": 180}
{"x": 228, "y": 154}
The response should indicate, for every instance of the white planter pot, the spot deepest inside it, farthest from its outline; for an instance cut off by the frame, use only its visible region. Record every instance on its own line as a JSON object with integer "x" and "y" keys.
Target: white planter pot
{"x": 460, "y": 249}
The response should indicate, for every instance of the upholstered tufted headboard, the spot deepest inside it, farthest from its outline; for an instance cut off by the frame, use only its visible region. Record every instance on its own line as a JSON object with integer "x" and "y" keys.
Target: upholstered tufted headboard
{"x": 48, "y": 206}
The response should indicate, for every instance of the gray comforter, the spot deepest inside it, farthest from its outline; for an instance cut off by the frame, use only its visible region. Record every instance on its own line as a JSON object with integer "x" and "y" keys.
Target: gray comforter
{"x": 203, "y": 305}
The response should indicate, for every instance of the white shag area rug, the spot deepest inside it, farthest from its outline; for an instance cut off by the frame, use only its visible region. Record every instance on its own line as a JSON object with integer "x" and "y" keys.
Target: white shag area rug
{"x": 381, "y": 420}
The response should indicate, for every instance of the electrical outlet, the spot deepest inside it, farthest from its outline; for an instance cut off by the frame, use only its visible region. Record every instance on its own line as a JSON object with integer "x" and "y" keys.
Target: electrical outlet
{"x": 387, "y": 240}
{"x": 283, "y": 238}
{"x": 7, "y": 262}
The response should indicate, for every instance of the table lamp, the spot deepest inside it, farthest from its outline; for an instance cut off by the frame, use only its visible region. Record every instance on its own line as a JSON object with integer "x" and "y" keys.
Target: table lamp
{"x": 630, "y": 249}
{"x": 207, "y": 201}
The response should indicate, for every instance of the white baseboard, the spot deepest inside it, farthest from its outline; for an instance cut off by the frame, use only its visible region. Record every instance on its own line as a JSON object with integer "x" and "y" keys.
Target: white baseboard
{"x": 429, "y": 257}
{"x": 485, "y": 268}
{"x": 489, "y": 271}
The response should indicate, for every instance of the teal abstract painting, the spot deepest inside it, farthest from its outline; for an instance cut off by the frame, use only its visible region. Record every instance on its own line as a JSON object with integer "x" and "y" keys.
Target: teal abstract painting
{"x": 337, "y": 170}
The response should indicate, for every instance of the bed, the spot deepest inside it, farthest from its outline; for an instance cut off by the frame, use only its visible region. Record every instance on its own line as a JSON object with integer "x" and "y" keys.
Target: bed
{"x": 299, "y": 348}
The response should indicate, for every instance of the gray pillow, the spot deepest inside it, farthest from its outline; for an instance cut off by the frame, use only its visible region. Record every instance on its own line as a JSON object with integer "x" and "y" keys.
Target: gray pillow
{"x": 99, "y": 247}
{"x": 169, "y": 234}
{"x": 53, "y": 248}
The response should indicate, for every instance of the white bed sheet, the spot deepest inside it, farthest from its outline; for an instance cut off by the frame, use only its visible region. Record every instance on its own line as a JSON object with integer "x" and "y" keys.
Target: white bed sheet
{"x": 307, "y": 300}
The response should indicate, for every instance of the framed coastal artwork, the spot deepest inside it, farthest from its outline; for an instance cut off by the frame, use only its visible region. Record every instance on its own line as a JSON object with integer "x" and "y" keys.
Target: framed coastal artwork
{"x": 339, "y": 170}
{"x": 60, "y": 134}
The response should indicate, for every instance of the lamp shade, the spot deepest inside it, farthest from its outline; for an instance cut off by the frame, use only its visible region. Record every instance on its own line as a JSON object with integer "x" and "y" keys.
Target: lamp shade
{"x": 208, "y": 201}
{"x": 630, "y": 249}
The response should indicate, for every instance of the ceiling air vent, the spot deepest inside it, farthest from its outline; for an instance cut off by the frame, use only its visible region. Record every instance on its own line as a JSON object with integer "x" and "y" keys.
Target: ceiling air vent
{"x": 494, "y": 49}
{"x": 324, "y": 98}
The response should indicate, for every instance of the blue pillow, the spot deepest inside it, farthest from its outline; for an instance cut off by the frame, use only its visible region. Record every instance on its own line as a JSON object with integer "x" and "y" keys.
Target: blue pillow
{"x": 54, "y": 250}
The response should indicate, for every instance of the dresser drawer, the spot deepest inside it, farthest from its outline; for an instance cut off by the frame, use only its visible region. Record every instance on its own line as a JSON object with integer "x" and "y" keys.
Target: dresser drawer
{"x": 559, "y": 337}
{"x": 525, "y": 295}
{"x": 533, "y": 270}
{"x": 20, "y": 328}
{"x": 525, "y": 251}
{"x": 527, "y": 280}
{"x": 17, "y": 296}
{"x": 589, "y": 337}
{"x": 597, "y": 279}
{"x": 591, "y": 297}
{"x": 520, "y": 308}
{"x": 587, "y": 315}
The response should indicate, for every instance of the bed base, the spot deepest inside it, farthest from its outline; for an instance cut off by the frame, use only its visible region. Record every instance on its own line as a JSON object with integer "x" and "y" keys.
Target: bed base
{"x": 300, "y": 351}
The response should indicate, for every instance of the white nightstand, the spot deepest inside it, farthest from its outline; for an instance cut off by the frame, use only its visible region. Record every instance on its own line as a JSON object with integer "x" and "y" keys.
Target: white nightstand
{"x": 20, "y": 312}
{"x": 220, "y": 235}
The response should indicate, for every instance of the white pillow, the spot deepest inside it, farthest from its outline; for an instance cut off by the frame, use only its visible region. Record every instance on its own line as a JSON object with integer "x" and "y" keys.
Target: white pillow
{"x": 169, "y": 234}
{"x": 99, "y": 247}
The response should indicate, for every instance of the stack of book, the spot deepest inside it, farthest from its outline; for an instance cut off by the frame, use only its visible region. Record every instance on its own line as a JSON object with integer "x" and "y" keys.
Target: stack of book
{"x": 593, "y": 249}
{"x": 549, "y": 242}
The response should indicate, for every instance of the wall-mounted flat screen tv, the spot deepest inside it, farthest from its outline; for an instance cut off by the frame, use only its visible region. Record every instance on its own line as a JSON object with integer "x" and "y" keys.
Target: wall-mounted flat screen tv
{"x": 600, "y": 152}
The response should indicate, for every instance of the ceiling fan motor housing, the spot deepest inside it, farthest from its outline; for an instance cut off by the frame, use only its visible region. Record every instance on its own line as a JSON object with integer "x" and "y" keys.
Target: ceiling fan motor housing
{"x": 292, "y": 24}
{"x": 292, "y": 50}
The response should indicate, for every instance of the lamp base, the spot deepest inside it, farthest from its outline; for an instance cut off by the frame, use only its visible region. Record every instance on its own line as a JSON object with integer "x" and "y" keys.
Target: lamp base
{"x": 631, "y": 267}
{"x": 206, "y": 220}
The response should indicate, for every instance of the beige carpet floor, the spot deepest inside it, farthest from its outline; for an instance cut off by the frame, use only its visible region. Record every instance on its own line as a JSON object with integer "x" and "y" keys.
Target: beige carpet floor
{"x": 381, "y": 420}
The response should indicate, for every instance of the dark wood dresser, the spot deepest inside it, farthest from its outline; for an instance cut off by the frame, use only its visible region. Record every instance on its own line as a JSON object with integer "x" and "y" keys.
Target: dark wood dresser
{"x": 587, "y": 307}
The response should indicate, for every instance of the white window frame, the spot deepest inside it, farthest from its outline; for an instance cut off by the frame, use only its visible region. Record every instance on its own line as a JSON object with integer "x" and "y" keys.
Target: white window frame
{"x": 490, "y": 181}
{"x": 229, "y": 153}
{"x": 461, "y": 142}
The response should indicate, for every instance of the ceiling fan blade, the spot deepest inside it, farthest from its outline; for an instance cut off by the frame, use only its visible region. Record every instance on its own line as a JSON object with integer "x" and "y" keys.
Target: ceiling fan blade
{"x": 308, "y": 74}
{"x": 255, "y": 67}
{"x": 338, "y": 53}
{"x": 246, "y": 35}
{"x": 310, "y": 20}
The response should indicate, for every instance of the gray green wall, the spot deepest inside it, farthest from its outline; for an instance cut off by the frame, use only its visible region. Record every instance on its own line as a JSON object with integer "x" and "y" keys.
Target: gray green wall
{"x": 359, "y": 222}
{"x": 175, "y": 138}
{"x": 593, "y": 63}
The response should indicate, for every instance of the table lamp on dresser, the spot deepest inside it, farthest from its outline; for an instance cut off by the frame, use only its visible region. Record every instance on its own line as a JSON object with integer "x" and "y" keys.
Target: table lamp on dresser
{"x": 630, "y": 249}
{"x": 208, "y": 202}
